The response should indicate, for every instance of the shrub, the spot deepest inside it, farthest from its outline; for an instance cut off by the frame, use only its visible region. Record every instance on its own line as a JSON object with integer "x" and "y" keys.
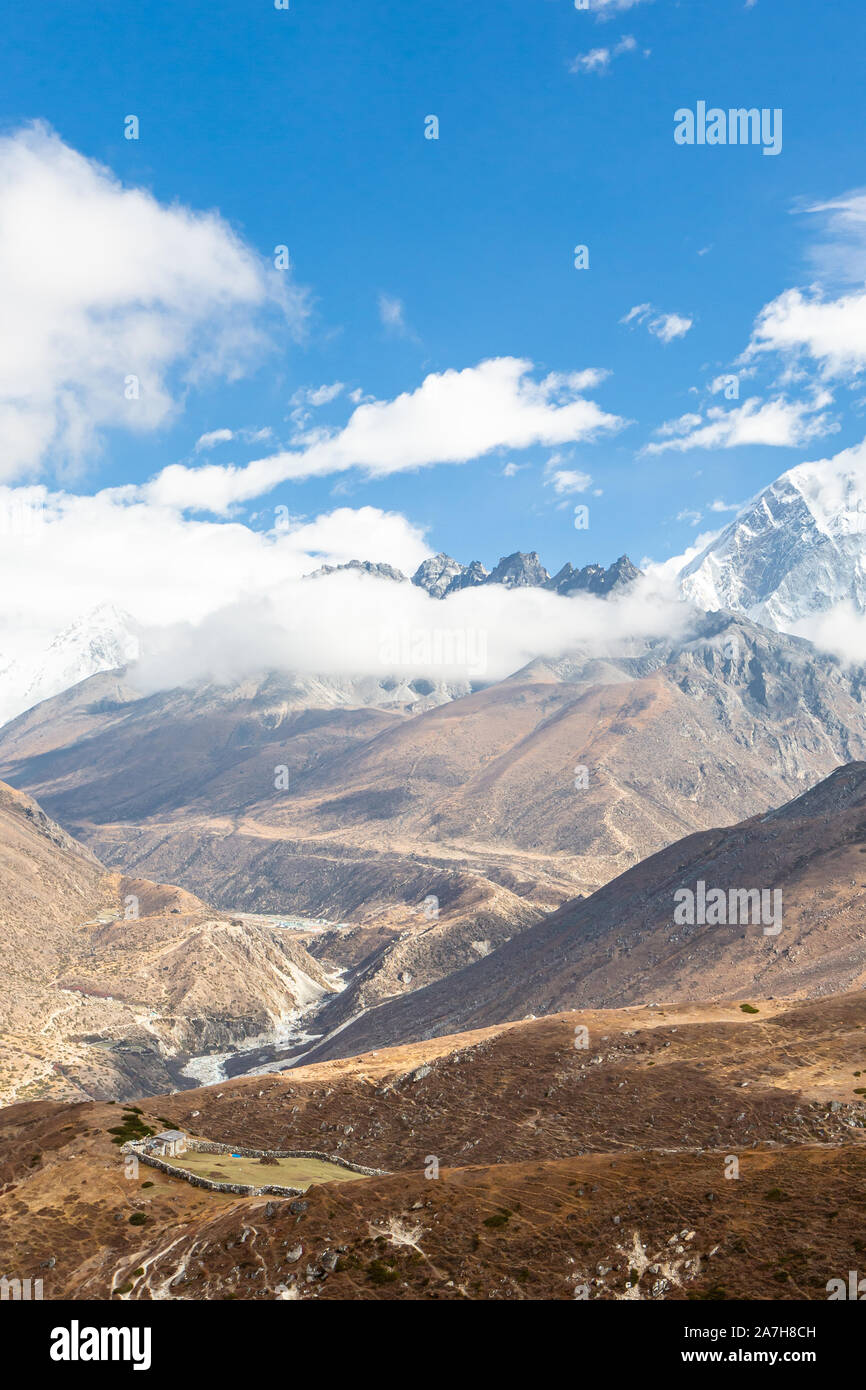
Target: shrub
{"x": 499, "y": 1219}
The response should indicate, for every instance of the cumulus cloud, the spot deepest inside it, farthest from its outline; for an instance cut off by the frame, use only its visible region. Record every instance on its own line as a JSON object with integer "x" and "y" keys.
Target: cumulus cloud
{"x": 318, "y": 395}
{"x": 607, "y": 9}
{"x": 452, "y": 417}
{"x": 816, "y": 323}
{"x": 309, "y": 398}
{"x": 840, "y": 630}
{"x": 666, "y": 327}
{"x": 599, "y": 59}
{"x": 212, "y": 438}
{"x": 830, "y": 331}
{"x": 112, "y": 303}
{"x": 665, "y": 573}
{"x": 565, "y": 480}
{"x": 64, "y": 554}
{"x": 776, "y": 422}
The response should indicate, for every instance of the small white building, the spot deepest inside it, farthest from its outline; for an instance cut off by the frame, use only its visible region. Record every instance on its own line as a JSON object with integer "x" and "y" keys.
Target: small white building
{"x": 168, "y": 1143}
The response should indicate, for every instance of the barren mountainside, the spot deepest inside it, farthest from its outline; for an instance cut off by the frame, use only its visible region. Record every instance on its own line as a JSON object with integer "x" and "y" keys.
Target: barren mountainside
{"x": 107, "y": 978}
{"x": 565, "y": 1172}
{"x": 623, "y": 945}
{"x": 547, "y": 784}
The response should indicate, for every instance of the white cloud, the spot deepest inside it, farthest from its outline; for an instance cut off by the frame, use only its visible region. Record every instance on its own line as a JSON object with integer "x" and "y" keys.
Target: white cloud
{"x": 830, "y": 331}
{"x": 112, "y": 303}
{"x": 212, "y": 438}
{"x": 607, "y": 9}
{"x": 841, "y": 630}
{"x": 81, "y": 551}
{"x": 309, "y": 398}
{"x": 566, "y": 480}
{"x": 665, "y": 573}
{"x": 452, "y": 417}
{"x": 346, "y": 624}
{"x": 392, "y": 312}
{"x": 218, "y": 600}
{"x": 839, "y": 251}
{"x": 666, "y": 327}
{"x": 638, "y": 311}
{"x": 776, "y": 422}
{"x": 321, "y": 395}
{"x": 815, "y": 323}
{"x": 600, "y": 59}
{"x": 685, "y": 424}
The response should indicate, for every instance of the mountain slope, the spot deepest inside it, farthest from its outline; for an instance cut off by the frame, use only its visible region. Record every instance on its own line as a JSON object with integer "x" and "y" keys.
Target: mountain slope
{"x": 548, "y": 783}
{"x": 107, "y": 979}
{"x": 564, "y": 1172}
{"x": 624, "y": 945}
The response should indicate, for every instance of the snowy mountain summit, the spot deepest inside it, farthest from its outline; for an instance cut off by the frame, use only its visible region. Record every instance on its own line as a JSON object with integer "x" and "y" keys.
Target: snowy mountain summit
{"x": 102, "y": 640}
{"x": 795, "y": 552}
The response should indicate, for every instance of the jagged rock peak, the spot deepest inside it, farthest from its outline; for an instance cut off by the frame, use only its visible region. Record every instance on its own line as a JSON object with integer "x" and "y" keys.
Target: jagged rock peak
{"x": 437, "y": 574}
{"x": 594, "y": 579}
{"x": 365, "y": 566}
{"x": 519, "y": 571}
{"x": 441, "y": 574}
{"x": 471, "y": 576}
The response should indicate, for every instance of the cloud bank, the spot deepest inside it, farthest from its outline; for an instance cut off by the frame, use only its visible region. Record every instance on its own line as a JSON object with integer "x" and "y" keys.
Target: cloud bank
{"x": 348, "y": 624}
{"x": 112, "y": 304}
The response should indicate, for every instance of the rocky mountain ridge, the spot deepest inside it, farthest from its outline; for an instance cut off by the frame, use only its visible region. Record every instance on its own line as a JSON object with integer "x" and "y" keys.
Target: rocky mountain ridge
{"x": 442, "y": 575}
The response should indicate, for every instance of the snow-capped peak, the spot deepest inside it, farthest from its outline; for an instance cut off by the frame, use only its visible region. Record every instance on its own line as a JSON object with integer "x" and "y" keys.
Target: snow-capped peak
{"x": 101, "y": 640}
{"x": 796, "y": 551}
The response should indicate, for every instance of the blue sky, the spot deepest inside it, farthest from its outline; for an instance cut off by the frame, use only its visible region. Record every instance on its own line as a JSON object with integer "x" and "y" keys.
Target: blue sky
{"x": 306, "y": 128}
